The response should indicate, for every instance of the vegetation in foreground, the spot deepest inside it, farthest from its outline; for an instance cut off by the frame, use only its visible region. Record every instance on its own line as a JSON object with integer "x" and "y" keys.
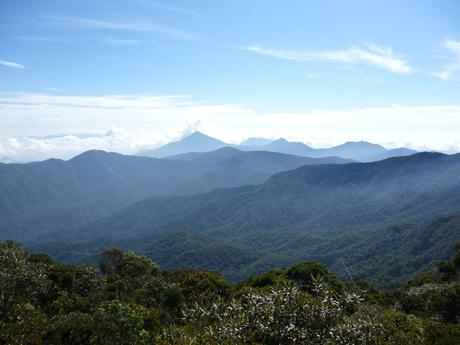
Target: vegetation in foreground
{"x": 129, "y": 300}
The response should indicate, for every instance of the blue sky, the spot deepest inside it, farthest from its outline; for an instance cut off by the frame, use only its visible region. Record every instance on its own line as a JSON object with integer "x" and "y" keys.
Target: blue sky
{"x": 315, "y": 71}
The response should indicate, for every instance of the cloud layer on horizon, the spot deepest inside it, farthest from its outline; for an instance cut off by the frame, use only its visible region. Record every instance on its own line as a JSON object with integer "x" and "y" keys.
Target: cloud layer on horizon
{"x": 66, "y": 125}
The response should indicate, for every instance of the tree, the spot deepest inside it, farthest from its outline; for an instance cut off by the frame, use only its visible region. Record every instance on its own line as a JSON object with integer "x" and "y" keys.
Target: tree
{"x": 306, "y": 272}
{"x": 19, "y": 278}
{"x": 116, "y": 323}
{"x": 127, "y": 272}
{"x": 447, "y": 270}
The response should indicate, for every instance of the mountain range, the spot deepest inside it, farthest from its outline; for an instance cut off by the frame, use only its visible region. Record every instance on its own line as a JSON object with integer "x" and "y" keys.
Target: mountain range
{"x": 320, "y": 198}
{"x": 386, "y": 219}
{"x": 199, "y": 142}
{"x": 56, "y": 196}
{"x": 242, "y": 209}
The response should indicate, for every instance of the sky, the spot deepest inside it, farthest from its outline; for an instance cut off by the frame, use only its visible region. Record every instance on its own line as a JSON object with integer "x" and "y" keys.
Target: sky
{"x": 128, "y": 75}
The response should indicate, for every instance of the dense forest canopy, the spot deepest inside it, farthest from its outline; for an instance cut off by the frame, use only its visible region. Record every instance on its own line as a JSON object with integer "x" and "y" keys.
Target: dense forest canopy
{"x": 128, "y": 299}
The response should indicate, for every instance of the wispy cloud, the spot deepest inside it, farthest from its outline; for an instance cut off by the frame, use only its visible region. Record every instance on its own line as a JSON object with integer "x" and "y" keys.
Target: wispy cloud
{"x": 381, "y": 57}
{"x": 103, "y": 102}
{"x": 122, "y": 41}
{"x": 166, "y": 7}
{"x": 120, "y": 25}
{"x": 42, "y": 39}
{"x": 454, "y": 66}
{"x": 11, "y": 64}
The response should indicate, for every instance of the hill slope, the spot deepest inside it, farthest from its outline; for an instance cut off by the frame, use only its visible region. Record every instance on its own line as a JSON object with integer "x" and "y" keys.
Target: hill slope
{"x": 59, "y": 196}
{"x": 321, "y": 199}
{"x": 357, "y": 213}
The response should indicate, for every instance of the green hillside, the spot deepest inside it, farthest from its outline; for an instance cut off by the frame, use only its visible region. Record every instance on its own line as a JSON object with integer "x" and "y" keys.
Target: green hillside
{"x": 385, "y": 221}
{"x": 56, "y": 197}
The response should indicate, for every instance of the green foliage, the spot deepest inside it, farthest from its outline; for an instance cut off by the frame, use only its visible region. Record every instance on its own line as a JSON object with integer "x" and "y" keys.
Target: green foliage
{"x": 265, "y": 280}
{"x": 202, "y": 285}
{"x": 72, "y": 328}
{"x": 22, "y": 324}
{"x": 456, "y": 260}
{"x": 174, "y": 298}
{"x": 20, "y": 279}
{"x": 286, "y": 315}
{"x": 421, "y": 280}
{"x": 447, "y": 270}
{"x": 435, "y": 296}
{"x": 437, "y": 333}
{"x": 129, "y": 300}
{"x": 116, "y": 323}
{"x": 305, "y": 273}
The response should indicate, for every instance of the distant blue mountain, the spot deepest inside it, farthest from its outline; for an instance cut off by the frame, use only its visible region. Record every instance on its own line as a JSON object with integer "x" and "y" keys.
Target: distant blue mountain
{"x": 359, "y": 150}
{"x": 393, "y": 153}
{"x": 289, "y": 147}
{"x": 196, "y": 142}
{"x": 256, "y": 142}
{"x": 5, "y": 159}
{"x": 356, "y": 150}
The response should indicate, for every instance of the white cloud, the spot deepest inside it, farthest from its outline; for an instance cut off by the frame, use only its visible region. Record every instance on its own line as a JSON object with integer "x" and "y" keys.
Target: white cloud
{"x": 30, "y": 148}
{"x": 38, "y": 126}
{"x": 373, "y": 55}
{"x": 11, "y": 64}
{"x": 120, "y": 25}
{"x": 454, "y": 66}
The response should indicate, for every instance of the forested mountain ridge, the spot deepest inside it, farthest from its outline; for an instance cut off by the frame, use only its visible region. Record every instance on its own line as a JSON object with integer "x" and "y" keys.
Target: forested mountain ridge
{"x": 328, "y": 212}
{"x": 323, "y": 198}
{"x": 57, "y": 196}
{"x": 372, "y": 216}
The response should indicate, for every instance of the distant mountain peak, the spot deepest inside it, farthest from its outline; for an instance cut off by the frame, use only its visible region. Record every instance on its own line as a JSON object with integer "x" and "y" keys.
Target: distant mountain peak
{"x": 355, "y": 150}
{"x": 195, "y": 142}
{"x": 197, "y": 135}
{"x": 256, "y": 141}
{"x": 91, "y": 153}
{"x": 361, "y": 143}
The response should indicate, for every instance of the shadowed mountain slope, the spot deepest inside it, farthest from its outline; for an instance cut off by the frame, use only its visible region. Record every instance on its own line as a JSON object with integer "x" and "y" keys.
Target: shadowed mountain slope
{"x": 58, "y": 196}
{"x": 385, "y": 221}
{"x": 319, "y": 199}
{"x": 357, "y": 213}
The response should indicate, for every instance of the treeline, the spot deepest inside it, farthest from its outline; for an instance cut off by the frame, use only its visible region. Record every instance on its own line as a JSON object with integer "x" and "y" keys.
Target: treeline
{"x": 128, "y": 299}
